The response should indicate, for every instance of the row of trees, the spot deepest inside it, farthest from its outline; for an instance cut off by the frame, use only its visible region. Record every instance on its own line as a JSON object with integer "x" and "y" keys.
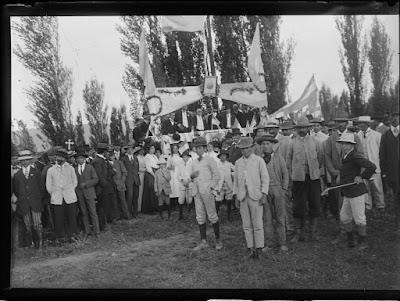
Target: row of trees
{"x": 358, "y": 48}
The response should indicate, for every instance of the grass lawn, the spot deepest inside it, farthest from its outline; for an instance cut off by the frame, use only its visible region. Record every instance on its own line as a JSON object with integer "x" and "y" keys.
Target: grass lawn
{"x": 155, "y": 253}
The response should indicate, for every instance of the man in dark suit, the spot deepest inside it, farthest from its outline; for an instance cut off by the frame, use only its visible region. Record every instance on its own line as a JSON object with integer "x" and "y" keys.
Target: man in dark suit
{"x": 168, "y": 125}
{"x": 132, "y": 180}
{"x": 248, "y": 115}
{"x": 234, "y": 151}
{"x": 390, "y": 163}
{"x": 140, "y": 128}
{"x": 183, "y": 120}
{"x": 119, "y": 200}
{"x": 214, "y": 120}
{"x": 104, "y": 188}
{"x": 87, "y": 179}
{"x": 227, "y": 119}
{"x": 239, "y": 115}
{"x": 28, "y": 188}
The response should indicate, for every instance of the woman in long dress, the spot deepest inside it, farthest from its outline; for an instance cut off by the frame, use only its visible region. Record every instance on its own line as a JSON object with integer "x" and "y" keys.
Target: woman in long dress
{"x": 149, "y": 200}
{"x": 142, "y": 170}
{"x": 172, "y": 163}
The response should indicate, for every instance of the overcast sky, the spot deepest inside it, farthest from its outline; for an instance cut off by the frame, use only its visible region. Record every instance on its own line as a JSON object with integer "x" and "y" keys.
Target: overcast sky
{"x": 91, "y": 47}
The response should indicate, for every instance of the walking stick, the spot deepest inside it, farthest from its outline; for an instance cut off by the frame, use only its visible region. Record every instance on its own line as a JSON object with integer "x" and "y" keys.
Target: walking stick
{"x": 325, "y": 192}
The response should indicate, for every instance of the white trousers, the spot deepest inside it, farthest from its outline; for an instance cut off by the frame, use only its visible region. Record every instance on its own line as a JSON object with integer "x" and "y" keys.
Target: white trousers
{"x": 252, "y": 218}
{"x": 353, "y": 208}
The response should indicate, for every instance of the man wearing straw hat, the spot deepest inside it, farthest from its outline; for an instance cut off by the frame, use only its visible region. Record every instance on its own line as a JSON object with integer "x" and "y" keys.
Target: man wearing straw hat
{"x": 205, "y": 177}
{"x": 334, "y": 155}
{"x": 251, "y": 186}
{"x": 28, "y": 189}
{"x": 60, "y": 183}
{"x": 354, "y": 195}
{"x": 371, "y": 141}
{"x": 282, "y": 146}
{"x": 304, "y": 160}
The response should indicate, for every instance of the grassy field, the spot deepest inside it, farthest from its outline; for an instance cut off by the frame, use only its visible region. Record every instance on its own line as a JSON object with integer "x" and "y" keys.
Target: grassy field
{"x": 155, "y": 253}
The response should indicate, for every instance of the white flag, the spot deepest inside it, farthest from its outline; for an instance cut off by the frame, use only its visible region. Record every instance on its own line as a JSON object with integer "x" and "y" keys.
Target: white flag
{"x": 182, "y": 23}
{"x": 255, "y": 64}
{"x": 145, "y": 70}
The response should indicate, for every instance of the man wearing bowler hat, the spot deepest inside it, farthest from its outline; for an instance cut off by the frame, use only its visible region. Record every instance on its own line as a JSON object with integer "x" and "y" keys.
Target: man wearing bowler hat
{"x": 251, "y": 186}
{"x": 371, "y": 141}
{"x": 333, "y": 158}
{"x": 287, "y": 128}
{"x": 132, "y": 180}
{"x": 234, "y": 151}
{"x": 87, "y": 179}
{"x": 61, "y": 182}
{"x": 390, "y": 163}
{"x": 304, "y": 160}
{"x": 104, "y": 188}
{"x": 205, "y": 177}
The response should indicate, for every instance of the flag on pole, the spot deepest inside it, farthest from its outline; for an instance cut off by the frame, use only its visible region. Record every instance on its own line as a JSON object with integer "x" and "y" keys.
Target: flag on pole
{"x": 236, "y": 124}
{"x": 215, "y": 121}
{"x": 255, "y": 64}
{"x": 182, "y": 23}
{"x": 145, "y": 70}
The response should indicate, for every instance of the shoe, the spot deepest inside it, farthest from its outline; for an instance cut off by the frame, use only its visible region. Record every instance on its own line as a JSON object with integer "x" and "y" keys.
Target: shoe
{"x": 351, "y": 243}
{"x": 202, "y": 245}
{"x": 283, "y": 248}
{"x": 256, "y": 255}
{"x": 218, "y": 245}
{"x": 362, "y": 245}
{"x": 266, "y": 249}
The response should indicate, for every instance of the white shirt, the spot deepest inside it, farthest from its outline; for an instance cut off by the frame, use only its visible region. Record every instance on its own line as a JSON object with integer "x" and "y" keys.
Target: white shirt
{"x": 81, "y": 168}
{"x": 151, "y": 162}
{"x": 228, "y": 120}
{"x": 200, "y": 124}
{"x": 130, "y": 157}
{"x": 26, "y": 170}
{"x": 392, "y": 128}
{"x": 184, "y": 119}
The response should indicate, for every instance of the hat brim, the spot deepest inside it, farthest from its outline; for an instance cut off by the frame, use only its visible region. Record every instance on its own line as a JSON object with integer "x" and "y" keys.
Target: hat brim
{"x": 341, "y": 119}
{"x": 262, "y": 139}
{"x": 287, "y": 127}
{"x": 363, "y": 121}
{"x": 271, "y": 126}
{"x": 345, "y": 141}
{"x": 227, "y": 155}
{"x": 245, "y": 146}
{"x": 80, "y": 155}
{"x": 24, "y": 158}
{"x": 236, "y": 133}
{"x": 303, "y": 125}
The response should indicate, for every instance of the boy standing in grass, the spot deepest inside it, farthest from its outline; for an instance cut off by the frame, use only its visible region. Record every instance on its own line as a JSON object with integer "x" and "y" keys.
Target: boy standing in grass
{"x": 225, "y": 185}
{"x": 354, "y": 195}
{"x": 162, "y": 186}
{"x": 185, "y": 183}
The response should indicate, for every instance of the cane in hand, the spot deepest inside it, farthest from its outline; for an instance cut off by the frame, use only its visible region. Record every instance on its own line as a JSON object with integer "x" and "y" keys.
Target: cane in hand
{"x": 325, "y": 192}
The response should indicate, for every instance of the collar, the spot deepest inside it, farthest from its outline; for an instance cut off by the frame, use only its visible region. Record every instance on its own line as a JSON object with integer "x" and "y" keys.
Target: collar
{"x": 344, "y": 157}
{"x": 28, "y": 168}
{"x": 15, "y": 167}
{"x": 392, "y": 128}
{"x": 61, "y": 166}
{"x": 101, "y": 156}
{"x": 83, "y": 165}
{"x": 368, "y": 130}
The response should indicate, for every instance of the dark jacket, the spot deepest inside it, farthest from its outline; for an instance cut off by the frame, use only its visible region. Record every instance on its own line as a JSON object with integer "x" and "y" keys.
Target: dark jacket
{"x": 194, "y": 120}
{"x": 140, "y": 131}
{"x": 351, "y": 168}
{"x": 178, "y": 120}
{"x": 168, "y": 128}
{"x": 224, "y": 121}
{"x": 241, "y": 118}
{"x": 89, "y": 177}
{"x": 234, "y": 153}
{"x": 248, "y": 117}
{"x": 211, "y": 126}
{"x": 389, "y": 157}
{"x": 104, "y": 173}
{"x": 28, "y": 191}
{"x": 132, "y": 168}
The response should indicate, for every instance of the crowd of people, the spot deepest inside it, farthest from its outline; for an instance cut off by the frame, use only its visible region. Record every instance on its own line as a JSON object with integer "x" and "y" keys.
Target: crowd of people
{"x": 276, "y": 173}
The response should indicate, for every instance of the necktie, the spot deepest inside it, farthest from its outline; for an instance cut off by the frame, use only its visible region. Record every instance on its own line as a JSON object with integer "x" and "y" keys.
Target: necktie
{"x": 26, "y": 173}
{"x": 395, "y": 132}
{"x": 81, "y": 170}
{"x": 365, "y": 135}
{"x": 201, "y": 157}
{"x": 267, "y": 157}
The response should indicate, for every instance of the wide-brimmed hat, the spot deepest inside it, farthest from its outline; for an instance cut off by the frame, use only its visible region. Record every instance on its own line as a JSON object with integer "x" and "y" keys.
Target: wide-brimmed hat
{"x": 223, "y": 152}
{"x": 287, "y": 125}
{"x": 332, "y": 125}
{"x": 91, "y": 152}
{"x": 81, "y": 153}
{"x": 24, "y": 155}
{"x": 101, "y": 147}
{"x": 161, "y": 160}
{"x": 186, "y": 153}
{"x": 176, "y": 138}
{"x": 71, "y": 153}
{"x": 258, "y": 127}
{"x": 341, "y": 116}
{"x": 347, "y": 138}
{"x": 272, "y": 123}
{"x": 362, "y": 119}
{"x": 236, "y": 131}
{"x": 267, "y": 138}
{"x": 52, "y": 151}
{"x": 316, "y": 120}
{"x": 137, "y": 149}
{"x": 128, "y": 145}
{"x": 200, "y": 141}
{"x": 302, "y": 122}
{"x": 62, "y": 152}
{"x": 245, "y": 142}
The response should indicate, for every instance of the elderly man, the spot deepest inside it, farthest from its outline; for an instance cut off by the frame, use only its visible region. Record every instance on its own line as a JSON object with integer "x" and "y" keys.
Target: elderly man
{"x": 205, "y": 177}
{"x": 61, "y": 182}
{"x": 251, "y": 186}
{"x": 199, "y": 121}
{"x": 304, "y": 160}
{"x": 389, "y": 163}
{"x": 334, "y": 155}
{"x": 28, "y": 189}
{"x": 371, "y": 141}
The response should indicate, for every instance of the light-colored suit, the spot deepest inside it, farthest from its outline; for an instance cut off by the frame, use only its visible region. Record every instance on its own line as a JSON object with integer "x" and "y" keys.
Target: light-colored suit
{"x": 61, "y": 190}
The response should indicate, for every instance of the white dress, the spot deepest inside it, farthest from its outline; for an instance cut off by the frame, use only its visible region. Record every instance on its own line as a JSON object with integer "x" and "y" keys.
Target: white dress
{"x": 175, "y": 160}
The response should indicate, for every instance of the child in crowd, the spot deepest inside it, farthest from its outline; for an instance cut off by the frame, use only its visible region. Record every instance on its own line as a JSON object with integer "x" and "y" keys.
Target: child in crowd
{"x": 162, "y": 186}
{"x": 185, "y": 183}
{"x": 225, "y": 185}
